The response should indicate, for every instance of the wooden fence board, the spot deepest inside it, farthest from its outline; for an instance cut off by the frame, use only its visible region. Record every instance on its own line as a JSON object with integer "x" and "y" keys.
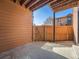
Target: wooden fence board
{"x": 63, "y": 33}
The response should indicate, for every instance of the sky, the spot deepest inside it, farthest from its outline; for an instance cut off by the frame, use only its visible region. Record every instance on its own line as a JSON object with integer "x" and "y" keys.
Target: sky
{"x": 41, "y": 14}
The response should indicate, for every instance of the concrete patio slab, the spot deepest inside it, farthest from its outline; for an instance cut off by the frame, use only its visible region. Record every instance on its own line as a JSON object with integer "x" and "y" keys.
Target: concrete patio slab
{"x": 40, "y": 50}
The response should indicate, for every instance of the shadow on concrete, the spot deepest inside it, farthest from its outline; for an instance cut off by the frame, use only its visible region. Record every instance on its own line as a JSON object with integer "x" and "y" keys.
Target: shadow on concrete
{"x": 34, "y": 51}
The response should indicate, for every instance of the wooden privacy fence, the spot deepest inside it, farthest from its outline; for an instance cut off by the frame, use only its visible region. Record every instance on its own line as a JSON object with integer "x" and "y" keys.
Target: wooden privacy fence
{"x": 64, "y": 33}
{"x": 45, "y": 33}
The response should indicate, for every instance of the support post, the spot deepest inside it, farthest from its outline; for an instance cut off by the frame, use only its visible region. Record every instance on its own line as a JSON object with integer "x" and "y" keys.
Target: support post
{"x": 32, "y": 26}
{"x": 44, "y": 33}
{"x": 75, "y": 24}
{"x": 53, "y": 26}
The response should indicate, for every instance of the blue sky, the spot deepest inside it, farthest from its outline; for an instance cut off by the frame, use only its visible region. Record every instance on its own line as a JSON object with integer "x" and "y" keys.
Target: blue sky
{"x": 43, "y": 13}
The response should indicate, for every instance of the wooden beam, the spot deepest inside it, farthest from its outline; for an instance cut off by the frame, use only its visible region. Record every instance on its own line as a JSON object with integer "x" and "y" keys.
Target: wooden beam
{"x": 40, "y": 4}
{"x": 54, "y": 3}
{"x": 58, "y": 3}
{"x": 31, "y": 2}
{"x": 14, "y": 1}
{"x": 62, "y": 5}
{"x": 24, "y": 2}
{"x": 34, "y": 3}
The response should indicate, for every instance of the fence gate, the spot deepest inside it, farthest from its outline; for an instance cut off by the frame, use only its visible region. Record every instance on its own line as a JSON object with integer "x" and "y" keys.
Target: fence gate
{"x": 42, "y": 33}
{"x": 38, "y": 33}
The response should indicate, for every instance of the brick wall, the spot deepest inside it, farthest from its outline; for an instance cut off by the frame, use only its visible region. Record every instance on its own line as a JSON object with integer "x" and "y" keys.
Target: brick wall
{"x": 15, "y": 25}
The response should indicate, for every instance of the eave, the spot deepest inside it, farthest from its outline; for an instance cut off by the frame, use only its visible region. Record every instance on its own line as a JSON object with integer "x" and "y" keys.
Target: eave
{"x": 63, "y": 4}
{"x": 33, "y": 4}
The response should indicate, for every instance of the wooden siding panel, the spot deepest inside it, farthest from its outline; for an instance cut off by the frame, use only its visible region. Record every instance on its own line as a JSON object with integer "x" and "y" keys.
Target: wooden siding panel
{"x": 15, "y": 25}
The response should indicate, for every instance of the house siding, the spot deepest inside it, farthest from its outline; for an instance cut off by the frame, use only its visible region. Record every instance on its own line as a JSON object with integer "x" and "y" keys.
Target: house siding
{"x": 15, "y": 25}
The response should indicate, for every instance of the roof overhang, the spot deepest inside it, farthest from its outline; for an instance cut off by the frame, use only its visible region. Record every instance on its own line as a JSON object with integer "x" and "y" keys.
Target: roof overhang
{"x": 33, "y": 4}
{"x": 60, "y": 5}
{"x": 56, "y": 5}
